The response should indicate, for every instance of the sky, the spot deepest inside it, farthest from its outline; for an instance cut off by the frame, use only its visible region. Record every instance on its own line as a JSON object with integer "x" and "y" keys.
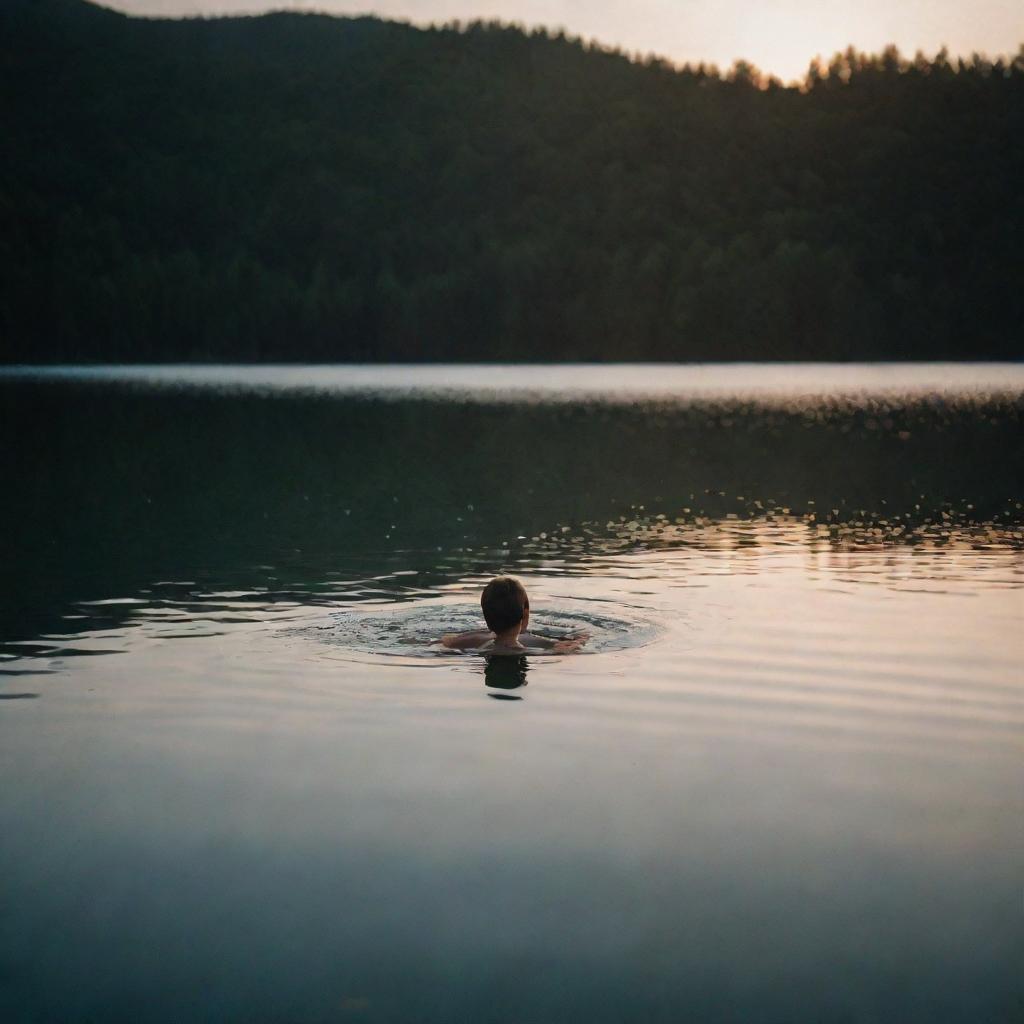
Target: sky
{"x": 779, "y": 36}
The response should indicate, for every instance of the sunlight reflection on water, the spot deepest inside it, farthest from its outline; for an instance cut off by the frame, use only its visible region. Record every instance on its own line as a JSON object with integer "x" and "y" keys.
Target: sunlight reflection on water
{"x": 773, "y": 383}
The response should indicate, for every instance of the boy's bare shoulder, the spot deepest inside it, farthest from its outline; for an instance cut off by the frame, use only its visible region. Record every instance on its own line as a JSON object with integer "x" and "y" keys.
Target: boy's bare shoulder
{"x": 467, "y": 641}
{"x": 483, "y": 640}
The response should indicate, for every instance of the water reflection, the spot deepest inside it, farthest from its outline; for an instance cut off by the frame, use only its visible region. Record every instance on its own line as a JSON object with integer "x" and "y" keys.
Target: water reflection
{"x": 505, "y": 673}
{"x": 239, "y": 504}
{"x": 668, "y": 553}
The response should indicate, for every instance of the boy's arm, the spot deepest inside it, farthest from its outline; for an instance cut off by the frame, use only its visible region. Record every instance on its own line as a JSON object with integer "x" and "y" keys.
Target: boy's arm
{"x": 540, "y": 643}
{"x": 571, "y": 645}
{"x": 545, "y": 643}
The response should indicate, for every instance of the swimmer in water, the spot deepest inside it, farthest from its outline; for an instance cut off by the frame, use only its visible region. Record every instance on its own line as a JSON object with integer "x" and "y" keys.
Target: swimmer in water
{"x": 506, "y": 611}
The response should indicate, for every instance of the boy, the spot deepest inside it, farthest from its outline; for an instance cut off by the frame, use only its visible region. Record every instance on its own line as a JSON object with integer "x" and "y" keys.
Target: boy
{"x": 506, "y": 611}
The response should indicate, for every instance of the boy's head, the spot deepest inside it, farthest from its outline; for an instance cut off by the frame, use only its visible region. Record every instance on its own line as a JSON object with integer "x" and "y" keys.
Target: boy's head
{"x": 505, "y": 604}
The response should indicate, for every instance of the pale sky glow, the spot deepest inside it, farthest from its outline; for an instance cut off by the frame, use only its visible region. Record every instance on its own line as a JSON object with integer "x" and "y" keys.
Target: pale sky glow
{"x": 779, "y": 36}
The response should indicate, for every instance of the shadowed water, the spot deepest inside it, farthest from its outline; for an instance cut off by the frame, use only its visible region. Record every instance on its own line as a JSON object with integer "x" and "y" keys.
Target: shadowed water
{"x": 783, "y": 783}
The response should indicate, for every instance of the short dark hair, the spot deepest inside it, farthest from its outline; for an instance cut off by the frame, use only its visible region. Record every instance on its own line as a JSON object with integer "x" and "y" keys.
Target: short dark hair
{"x": 504, "y": 603}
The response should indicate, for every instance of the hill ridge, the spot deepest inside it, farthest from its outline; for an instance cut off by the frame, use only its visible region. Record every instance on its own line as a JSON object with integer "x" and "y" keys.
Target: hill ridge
{"x": 299, "y": 186}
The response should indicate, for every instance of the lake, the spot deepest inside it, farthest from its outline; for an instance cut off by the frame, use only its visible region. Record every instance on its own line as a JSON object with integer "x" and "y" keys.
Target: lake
{"x": 783, "y": 782}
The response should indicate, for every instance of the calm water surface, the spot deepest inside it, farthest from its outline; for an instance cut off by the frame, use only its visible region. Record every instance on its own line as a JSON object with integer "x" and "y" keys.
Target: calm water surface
{"x": 783, "y": 784}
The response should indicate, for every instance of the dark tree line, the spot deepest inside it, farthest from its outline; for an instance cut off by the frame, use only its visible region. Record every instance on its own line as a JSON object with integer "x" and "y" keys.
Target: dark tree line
{"x": 300, "y": 187}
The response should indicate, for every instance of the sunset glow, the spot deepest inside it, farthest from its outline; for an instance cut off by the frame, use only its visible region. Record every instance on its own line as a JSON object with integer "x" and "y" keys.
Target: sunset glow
{"x": 780, "y": 37}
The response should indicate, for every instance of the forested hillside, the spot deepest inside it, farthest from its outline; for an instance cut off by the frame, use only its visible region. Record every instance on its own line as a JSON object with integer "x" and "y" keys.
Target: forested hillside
{"x": 300, "y": 187}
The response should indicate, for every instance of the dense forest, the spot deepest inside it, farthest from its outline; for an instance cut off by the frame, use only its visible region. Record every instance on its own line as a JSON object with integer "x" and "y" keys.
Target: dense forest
{"x": 302, "y": 187}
